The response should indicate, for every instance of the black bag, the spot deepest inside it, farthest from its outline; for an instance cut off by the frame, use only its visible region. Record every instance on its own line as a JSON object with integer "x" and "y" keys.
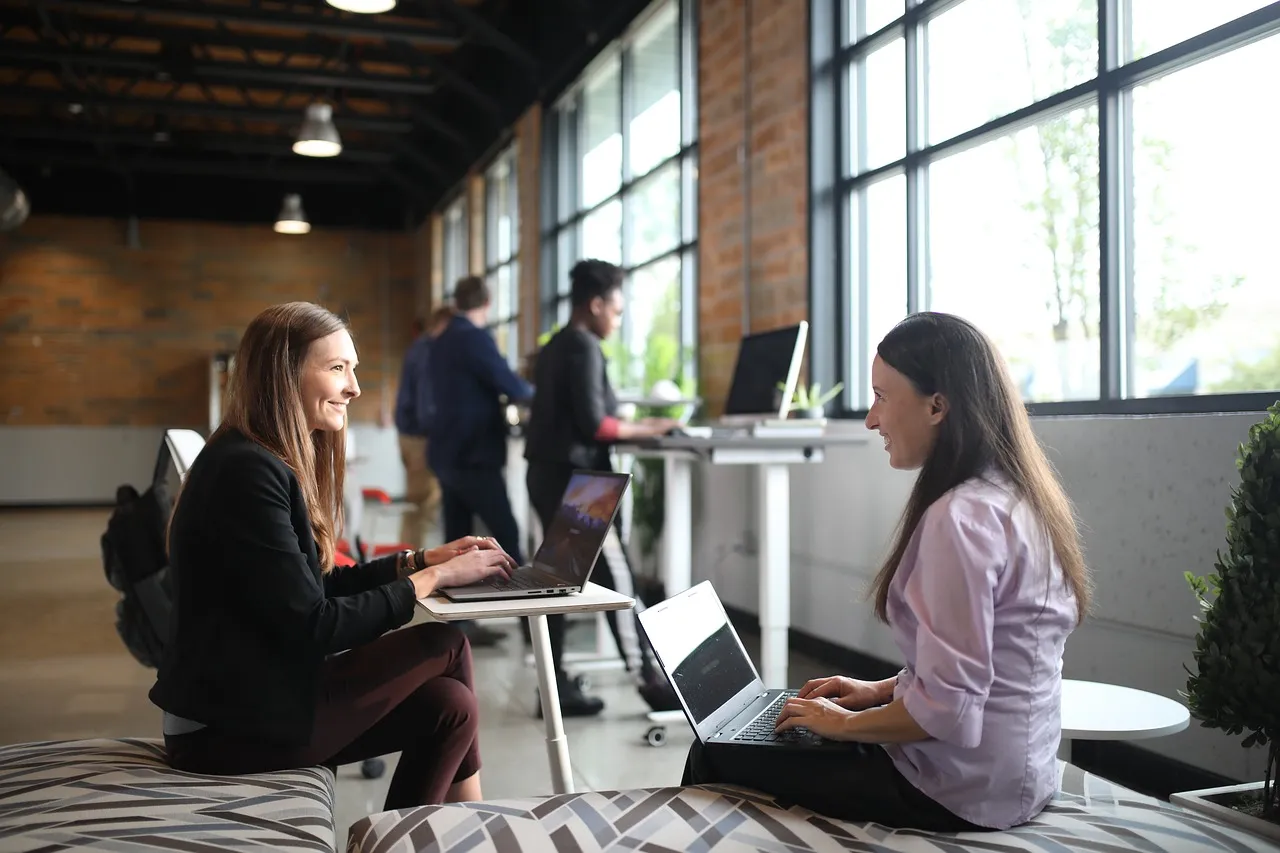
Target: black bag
{"x": 136, "y": 563}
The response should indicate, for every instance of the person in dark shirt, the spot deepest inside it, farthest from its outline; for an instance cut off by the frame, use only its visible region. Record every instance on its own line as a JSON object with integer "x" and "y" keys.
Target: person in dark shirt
{"x": 415, "y": 408}
{"x": 573, "y": 422}
{"x": 468, "y": 447}
{"x": 277, "y": 658}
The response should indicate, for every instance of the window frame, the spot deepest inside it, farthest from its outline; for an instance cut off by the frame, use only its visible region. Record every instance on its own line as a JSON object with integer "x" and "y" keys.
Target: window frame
{"x": 494, "y": 263}
{"x": 561, "y": 178}
{"x": 834, "y": 343}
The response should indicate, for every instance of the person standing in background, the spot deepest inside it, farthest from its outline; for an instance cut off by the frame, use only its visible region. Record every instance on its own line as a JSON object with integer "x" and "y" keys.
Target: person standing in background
{"x": 468, "y": 447}
{"x": 572, "y": 425}
{"x": 415, "y": 408}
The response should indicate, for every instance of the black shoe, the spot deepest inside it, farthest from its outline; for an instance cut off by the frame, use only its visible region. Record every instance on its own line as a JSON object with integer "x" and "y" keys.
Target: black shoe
{"x": 660, "y": 696}
{"x": 575, "y": 703}
{"x": 480, "y": 636}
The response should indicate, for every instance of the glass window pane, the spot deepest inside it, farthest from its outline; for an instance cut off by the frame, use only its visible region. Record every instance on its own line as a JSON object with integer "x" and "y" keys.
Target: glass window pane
{"x": 880, "y": 258}
{"x": 881, "y": 138}
{"x": 654, "y": 209}
{"x": 1157, "y": 24}
{"x": 566, "y": 257}
{"x": 1013, "y": 246}
{"x": 881, "y": 13}
{"x": 566, "y": 162}
{"x": 602, "y": 233}
{"x": 500, "y": 212}
{"x": 1204, "y": 229}
{"x": 601, "y": 136}
{"x": 654, "y": 127}
{"x": 454, "y": 263}
{"x": 987, "y": 58}
{"x": 650, "y": 345}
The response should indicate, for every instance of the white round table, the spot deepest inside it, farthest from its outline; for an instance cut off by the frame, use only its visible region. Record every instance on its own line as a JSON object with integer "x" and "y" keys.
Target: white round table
{"x": 1095, "y": 711}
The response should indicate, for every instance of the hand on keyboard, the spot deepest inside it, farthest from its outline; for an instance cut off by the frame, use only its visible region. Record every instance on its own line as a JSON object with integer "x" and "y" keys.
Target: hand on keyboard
{"x": 822, "y": 717}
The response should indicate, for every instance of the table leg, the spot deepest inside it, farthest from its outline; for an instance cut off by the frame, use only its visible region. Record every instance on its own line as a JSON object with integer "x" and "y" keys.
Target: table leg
{"x": 677, "y": 524}
{"x": 773, "y": 514}
{"x": 549, "y": 695}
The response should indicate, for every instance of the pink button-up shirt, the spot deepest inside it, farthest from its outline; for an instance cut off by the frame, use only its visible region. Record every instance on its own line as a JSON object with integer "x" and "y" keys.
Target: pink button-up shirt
{"x": 980, "y": 612}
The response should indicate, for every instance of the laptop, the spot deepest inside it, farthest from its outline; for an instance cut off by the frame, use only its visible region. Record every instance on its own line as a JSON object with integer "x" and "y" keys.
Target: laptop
{"x": 765, "y": 361}
{"x": 717, "y": 684}
{"x": 570, "y": 545}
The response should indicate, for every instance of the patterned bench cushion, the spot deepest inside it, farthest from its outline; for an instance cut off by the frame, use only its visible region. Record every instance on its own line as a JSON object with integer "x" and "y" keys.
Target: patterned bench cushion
{"x": 121, "y": 795}
{"x": 1090, "y": 814}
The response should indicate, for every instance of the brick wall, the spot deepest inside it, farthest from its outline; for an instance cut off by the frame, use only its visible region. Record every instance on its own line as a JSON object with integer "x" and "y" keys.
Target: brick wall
{"x": 774, "y": 88}
{"x": 100, "y": 334}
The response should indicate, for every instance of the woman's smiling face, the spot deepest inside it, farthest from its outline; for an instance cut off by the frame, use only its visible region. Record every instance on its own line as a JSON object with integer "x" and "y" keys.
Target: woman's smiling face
{"x": 328, "y": 382}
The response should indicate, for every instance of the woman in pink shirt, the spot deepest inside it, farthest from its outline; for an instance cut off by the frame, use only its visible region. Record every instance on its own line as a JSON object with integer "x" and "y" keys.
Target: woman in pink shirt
{"x": 983, "y": 585}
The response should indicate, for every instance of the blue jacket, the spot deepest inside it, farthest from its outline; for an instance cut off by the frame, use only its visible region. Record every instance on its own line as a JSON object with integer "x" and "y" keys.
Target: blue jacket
{"x": 415, "y": 406}
{"x": 468, "y": 375}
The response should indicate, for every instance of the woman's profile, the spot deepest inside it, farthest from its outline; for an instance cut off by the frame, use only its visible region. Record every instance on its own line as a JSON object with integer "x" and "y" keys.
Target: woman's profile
{"x": 276, "y": 658}
{"x": 984, "y": 582}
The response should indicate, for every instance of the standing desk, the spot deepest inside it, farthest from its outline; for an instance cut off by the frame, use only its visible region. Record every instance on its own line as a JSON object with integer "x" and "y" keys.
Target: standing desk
{"x": 772, "y": 458}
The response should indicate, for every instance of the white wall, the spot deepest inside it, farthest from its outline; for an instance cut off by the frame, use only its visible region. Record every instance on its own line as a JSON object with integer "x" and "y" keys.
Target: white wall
{"x": 78, "y": 465}
{"x": 1150, "y": 492}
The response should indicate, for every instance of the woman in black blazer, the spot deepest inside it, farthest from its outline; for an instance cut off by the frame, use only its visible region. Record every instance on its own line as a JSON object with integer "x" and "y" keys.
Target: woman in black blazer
{"x": 252, "y": 679}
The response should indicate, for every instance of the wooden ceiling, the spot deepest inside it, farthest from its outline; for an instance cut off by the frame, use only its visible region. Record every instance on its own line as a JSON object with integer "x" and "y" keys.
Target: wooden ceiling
{"x": 189, "y": 108}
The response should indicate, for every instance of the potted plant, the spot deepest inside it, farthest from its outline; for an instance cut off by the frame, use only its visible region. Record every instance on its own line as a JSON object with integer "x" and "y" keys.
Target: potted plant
{"x": 809, "y": 401}
{"x": 1235, "y": 685}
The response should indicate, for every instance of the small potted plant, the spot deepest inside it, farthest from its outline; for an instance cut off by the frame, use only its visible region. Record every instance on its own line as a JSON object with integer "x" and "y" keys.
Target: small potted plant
{"x": 1235, "y": 685}
{"x": 809, "y": 402}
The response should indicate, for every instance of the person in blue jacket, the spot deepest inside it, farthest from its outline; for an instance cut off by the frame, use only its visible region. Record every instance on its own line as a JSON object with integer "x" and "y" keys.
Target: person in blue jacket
{"x": 472, "y": 384}
{"x": 415, "y": 408}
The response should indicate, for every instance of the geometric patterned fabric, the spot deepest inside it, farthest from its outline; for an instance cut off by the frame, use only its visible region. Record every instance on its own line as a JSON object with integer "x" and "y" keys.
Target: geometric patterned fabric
{"x": 120, "y": 795}
{"x": 1089, "y": 814}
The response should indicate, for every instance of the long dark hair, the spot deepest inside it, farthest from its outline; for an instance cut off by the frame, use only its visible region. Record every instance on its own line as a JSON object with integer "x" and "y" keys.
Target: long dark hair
{"x": 986, "y": 426}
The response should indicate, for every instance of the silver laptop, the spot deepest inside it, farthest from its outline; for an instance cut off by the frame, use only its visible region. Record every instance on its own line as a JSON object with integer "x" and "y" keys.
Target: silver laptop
{"x": 765, "y": 361}
{"x": 714, "y": 678}
{"x": 570, "y": 546}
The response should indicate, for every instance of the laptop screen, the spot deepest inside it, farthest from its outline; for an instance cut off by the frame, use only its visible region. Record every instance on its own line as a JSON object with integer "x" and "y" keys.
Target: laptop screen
{"x": 572, "y": 542}
{"x": 765, "y": 359}
{"x": 699, "y": 649}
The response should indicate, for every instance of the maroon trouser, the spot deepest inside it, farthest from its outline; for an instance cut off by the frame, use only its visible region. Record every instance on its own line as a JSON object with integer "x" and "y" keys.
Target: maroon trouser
{"x": 409, "y": 691}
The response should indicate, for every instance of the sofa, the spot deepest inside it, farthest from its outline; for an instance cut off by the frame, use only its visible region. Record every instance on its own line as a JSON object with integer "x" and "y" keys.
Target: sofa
{"x": 119, "y": 795}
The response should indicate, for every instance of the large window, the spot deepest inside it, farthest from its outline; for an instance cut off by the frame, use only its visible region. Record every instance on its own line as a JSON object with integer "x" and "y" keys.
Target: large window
{"x": 501, "y": 243}
{"x": 455, "y": 252}
{"x": 620, "y": 155}
{"x": 1089, "y": 181}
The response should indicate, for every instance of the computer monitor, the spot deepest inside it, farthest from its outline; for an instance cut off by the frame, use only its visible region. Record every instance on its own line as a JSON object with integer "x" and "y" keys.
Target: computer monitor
{"x": 765, "y": 360}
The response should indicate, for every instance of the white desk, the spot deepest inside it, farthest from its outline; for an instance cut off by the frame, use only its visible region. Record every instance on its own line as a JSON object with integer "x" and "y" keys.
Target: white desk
{"x": 1095, "y": 711}
{"x": 772, "y": 458}
{"x": 592, "y": 598}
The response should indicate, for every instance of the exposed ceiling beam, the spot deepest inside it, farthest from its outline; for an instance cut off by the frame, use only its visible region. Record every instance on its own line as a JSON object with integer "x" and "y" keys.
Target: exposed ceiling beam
{"x": 422, "y": 161}
{"x": 186, "y": 142}
{"x": 343, "y": 26}
{"x": 154, "y": 64}
{"x": 490, "y": 33}
{"x": 265, "y": 171}
{"x": 344, "y": 119}
{"x": 219, "y": 37}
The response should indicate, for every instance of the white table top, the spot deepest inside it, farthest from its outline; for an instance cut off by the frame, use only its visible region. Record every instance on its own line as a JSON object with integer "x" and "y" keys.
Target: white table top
{"x": 592, "y": 598}
{"x": 1095, "y": 711}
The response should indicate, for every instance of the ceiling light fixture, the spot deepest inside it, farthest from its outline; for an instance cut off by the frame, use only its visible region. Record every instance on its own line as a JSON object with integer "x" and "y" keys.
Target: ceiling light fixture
{"x": 363, "y": 7}
{"x": 318, "y": 136}
{"x": 291, "y": 219}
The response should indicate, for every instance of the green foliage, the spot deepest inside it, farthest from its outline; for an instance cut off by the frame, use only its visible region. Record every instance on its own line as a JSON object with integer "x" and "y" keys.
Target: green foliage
{"x": 1261, "y": 375}
{"x": 811, "y": 396}
{"x": 1235, "y": 686}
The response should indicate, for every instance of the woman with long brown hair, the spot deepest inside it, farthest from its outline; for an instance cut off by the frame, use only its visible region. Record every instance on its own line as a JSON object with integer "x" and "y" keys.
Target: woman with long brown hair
{"x": 276, "y": 658}
{"x": 983, "y": 584}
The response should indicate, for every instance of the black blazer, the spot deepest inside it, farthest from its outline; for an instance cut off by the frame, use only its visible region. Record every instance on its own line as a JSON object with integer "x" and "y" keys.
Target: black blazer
{"x": 574, "y": 397}
{"x": 253, "y": 615}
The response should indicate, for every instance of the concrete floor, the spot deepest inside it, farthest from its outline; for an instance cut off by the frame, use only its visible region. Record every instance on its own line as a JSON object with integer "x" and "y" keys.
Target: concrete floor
{"x": 64, "y": 674}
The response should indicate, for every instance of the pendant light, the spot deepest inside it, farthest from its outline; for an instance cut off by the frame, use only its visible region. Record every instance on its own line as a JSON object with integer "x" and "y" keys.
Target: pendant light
{"x": 318, "y": 136}
{"x": 291, "y": 219}
{"x": 363, "y": 7}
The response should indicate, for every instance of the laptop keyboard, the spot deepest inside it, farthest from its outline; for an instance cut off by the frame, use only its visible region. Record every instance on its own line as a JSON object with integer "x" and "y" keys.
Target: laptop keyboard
{"x": 518, "y": 580}
{"x": 760, "y": 730}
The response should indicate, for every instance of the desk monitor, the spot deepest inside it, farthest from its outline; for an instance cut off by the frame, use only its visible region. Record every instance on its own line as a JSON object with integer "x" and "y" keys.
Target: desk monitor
{"x": 766, "y": 359}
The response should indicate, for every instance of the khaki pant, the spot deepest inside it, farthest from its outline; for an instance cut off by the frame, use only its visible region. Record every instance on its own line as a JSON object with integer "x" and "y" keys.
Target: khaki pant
{"x": 421, "y": 491}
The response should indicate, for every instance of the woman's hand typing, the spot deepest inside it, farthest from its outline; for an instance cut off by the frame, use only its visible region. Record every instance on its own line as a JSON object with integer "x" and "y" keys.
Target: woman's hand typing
{"x": 820, "y": 716}
{"x": 446, "y": 552}
{"x": 466, "y": 567}
{"x": 850, "y": 693}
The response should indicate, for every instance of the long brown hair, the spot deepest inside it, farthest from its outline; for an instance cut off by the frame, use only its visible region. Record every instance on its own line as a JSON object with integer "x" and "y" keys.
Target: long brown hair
{"x": 265, "y": 404}
{"x": 986, "y": 426}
